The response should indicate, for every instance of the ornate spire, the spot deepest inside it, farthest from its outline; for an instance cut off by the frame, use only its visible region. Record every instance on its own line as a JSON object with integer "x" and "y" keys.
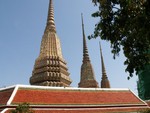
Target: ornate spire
{"x": 104, "y": 82}
{"x": 50, "y": 68}
{"x": 85, "y": 49}
{"x": 87, "y": 74}
{"x": 50, "y": 19}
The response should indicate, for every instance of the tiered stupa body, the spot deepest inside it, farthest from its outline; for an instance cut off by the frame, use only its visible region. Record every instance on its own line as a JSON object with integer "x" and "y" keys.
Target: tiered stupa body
{"x": 104, "y": 82}
{"x": 50, "y": 67}
{"x": 87, "y": 74}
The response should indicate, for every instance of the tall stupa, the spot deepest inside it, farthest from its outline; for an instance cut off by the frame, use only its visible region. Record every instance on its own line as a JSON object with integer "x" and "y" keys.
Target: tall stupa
{"x": 104, "y": 81}
{"x": 87, "y": 73}
{"x": 50, "y": 68}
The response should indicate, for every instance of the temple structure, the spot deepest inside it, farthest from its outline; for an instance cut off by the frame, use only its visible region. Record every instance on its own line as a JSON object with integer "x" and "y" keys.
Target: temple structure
{"x": 50, "y": 71}
{"x": 44, "y": 99}
{"x": 104, "y": 82}
{"x": 50, "y": 68}
{"x": 87, "y": 73}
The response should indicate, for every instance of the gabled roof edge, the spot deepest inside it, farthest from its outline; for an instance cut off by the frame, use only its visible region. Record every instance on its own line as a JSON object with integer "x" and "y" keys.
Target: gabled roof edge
{"x": 8, "y": 87}
{"x": 12, "y": 95}
{"x": 138, "y": 97}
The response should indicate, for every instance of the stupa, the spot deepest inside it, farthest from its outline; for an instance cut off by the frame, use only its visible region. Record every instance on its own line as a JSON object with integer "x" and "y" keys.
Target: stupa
{"x": 50, "y": 68}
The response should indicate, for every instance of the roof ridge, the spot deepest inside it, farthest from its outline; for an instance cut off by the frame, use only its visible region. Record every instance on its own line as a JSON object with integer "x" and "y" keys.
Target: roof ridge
{"x": 65, "y": 88}
{"x": 72, "y": 88}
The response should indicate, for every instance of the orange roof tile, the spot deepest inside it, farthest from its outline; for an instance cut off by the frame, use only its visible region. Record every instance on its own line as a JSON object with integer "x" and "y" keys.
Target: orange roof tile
{"x": 71, "y": 100}
{"x": 75, "y": 97}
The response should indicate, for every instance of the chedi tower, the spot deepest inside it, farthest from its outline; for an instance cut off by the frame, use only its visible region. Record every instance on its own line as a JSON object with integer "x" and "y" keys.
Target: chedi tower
{"x": 87, "y": 74}
{"x": 104, "y": 82}
{"x": 50, "y": 67}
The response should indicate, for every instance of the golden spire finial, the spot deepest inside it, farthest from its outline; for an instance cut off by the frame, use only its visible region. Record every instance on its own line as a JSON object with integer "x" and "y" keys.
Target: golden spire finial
{"x": 50, "y": 18}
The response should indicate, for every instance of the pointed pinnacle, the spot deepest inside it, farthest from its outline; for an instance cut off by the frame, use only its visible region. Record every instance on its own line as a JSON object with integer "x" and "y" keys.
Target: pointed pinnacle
{"x": 102, "y": 61}
{"x": 104, "y": 82}
{"x": 85, "y": 49}
{"x": 50, "y": 19}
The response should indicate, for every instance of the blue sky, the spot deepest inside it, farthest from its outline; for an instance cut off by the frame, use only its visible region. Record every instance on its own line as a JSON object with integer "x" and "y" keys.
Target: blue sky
{"x": 22, "y": 23}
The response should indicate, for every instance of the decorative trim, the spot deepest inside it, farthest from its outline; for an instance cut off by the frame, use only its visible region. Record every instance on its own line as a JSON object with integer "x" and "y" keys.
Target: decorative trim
{"x": 65, "y": 88}
{"x": 9, "y": 87}
{"x": 86, "y": 108}
{"x": 138, "y": 98}
{"x": 12, "y": 95}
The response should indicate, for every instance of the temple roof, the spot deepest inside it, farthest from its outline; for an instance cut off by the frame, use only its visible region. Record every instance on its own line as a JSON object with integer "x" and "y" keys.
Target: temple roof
{"x": 58, "y": 98}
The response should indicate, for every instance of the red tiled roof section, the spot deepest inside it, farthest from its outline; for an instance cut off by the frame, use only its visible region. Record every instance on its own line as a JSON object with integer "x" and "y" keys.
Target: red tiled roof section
{"x": 5, "y": 95}
{"x": 75, "y": 97}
